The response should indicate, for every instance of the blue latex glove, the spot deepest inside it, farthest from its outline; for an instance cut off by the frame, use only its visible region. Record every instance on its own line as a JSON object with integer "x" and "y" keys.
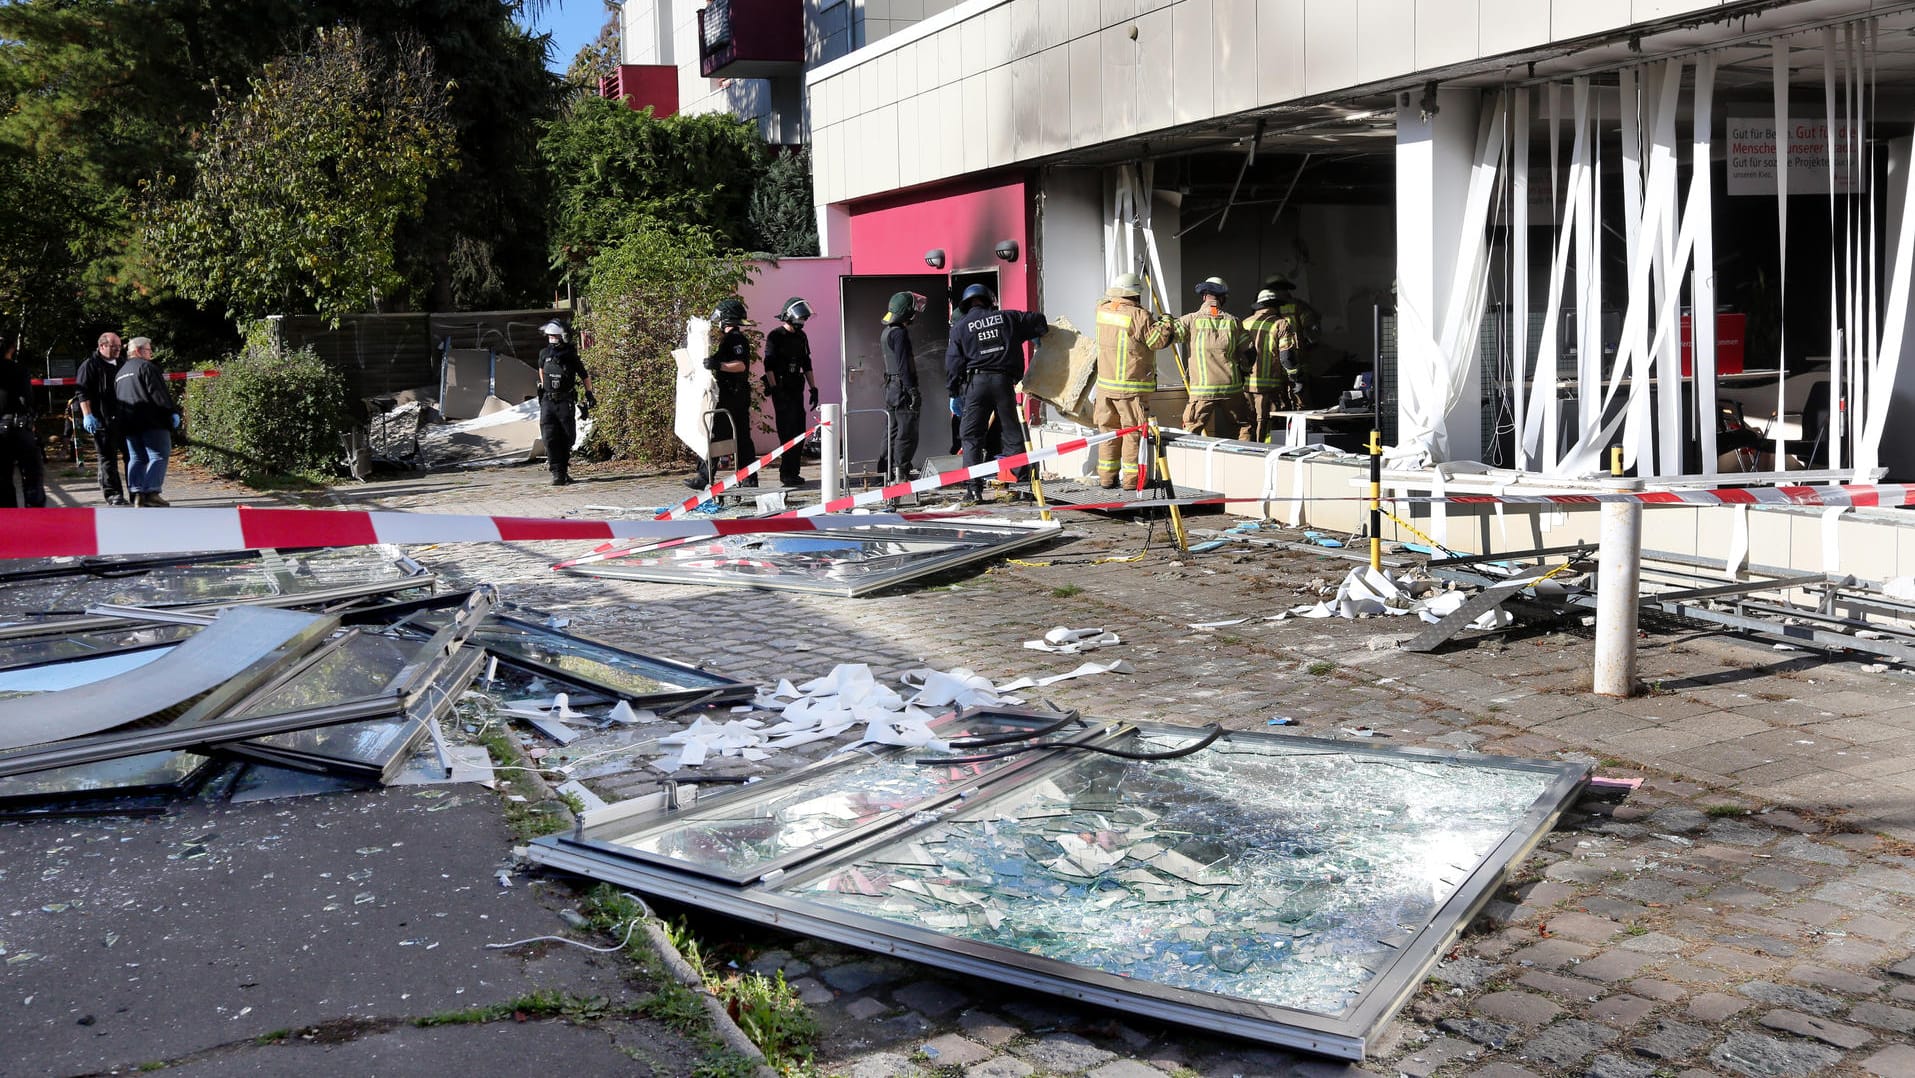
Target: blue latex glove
{"x": 92, "y": 424}
{"x": 177, "y": 420}
{"x": 957, "y": 409}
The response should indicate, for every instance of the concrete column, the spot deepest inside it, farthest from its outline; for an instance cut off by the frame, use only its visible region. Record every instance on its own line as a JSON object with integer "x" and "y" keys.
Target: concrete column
{"x": 1618, "y": 587}
{"x": 1434, "y": 155}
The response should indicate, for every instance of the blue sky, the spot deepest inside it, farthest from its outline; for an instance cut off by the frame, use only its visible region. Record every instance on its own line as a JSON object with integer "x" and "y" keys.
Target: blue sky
{"x": 572, "y": 24}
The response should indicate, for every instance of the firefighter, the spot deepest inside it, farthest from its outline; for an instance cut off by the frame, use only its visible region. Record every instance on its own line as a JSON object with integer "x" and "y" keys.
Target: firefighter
{"x": 561, "y": 374}
{"x": 787, "y": 374}
{"x": 984, "y": 359}
{"x": 1217, "y": 361}
{"x": 1128, "y": 338}
{"x": 1267, "y": 387}
{"x": 902, "y": 398}
{"x": 730, "y": 364}
{"x": 1305, "y": 329}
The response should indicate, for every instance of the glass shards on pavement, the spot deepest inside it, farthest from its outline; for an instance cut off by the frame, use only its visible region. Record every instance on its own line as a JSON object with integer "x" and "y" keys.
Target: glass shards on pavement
{"x": 1285, "y": 889}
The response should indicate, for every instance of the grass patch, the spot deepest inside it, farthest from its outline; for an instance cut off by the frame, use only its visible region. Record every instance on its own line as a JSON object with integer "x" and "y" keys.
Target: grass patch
{"x": 1320, "y": 668}
{"x": 1637, "y": 928}
{"x": 1066, "y": 591}
{"x": 533, "y": 1005}
{"x": 277, "y": 1036}
{"x": 1717, "y": 812}
{"x": 529, "y": 818}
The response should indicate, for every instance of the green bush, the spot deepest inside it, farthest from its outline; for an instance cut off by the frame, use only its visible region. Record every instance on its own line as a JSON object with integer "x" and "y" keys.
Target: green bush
{"x": 269, "y": 414}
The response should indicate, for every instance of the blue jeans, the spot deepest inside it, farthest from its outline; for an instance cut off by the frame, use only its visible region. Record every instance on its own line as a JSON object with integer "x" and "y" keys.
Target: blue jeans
{"x": 146, "y": 460}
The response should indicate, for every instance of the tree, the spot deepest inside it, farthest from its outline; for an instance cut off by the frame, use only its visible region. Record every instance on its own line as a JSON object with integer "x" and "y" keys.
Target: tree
{"x": 643, "y": 290}
{"x": 598, "y": 58}
{"x": 302, "y": 187}
{"x": 614, "y": 170}
{"x": 783, "y": 220}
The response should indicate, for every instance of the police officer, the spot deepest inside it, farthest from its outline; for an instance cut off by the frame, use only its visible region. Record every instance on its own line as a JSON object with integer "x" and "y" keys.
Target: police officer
{"x": 730, "y": 364}
{"x": 787, "y": 373}
{"x": 1306, "y": 328}
{"x": 984, "y": 359}
{"x": 97, "y": 416}
{"x": 1128, "y": 339}
{"x": 1217, "y": 361}
{"x": 902, "y": 399}
{"x": 1267, "y": 387}
{"x": 19, "y": 444}
{"x": 561, "y": 374}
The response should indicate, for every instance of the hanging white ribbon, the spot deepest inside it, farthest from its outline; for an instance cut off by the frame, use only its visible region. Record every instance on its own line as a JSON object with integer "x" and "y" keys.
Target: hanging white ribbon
{"x": 1779, "y": 75}
{"x": 1702, "y": 281}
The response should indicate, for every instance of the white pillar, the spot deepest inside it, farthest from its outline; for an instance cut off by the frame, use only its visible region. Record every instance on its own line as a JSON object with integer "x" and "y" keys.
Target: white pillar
{"x": 830, "y": 415}
{"x": 1618, "y": 583}
{"x": 1434, "y": 156}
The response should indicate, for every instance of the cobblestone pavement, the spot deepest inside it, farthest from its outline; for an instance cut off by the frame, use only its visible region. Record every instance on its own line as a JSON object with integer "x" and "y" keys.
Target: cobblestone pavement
{"x": 1750, "y": 910}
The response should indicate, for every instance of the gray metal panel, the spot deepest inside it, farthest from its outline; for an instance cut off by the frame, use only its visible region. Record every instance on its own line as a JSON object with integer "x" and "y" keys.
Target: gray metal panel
{"x": 1280, "y": 63}
{"x": 1087, "y": 92}
{"x": 1027, "y": 36}
{"x": 1026, "y": 88}
{"x": 997, "y": 37}
{"x": 1087, "y": 16}
{"x": 1446, "y": 32}
{"x": 1115, "y": 12}
{"x": 1000, "y": 112}
{"x": 1234, "y": 55}
{"x": 1191, "y": 98}
{"x": 974, "y": 143}
{"x": 242, "y": 640}
{"x": 1155, "y": 35}
{"x": 1329, "y": 45}
{"x": 1117, "y": 56}
{"x": 1060, "y": 108}
{"x": 1386, "y": 38}
{"x": 1053, "y": 22}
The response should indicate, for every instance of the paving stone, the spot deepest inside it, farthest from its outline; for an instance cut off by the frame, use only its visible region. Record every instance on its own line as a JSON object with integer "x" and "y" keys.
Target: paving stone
{"x": 1783, "y": 995}
{"x": 1428, "y": 1058}
{"x": 1853, "y": 952}
{"x": 1568, "y": 1042}
{"x": 1896, "y": 1061}
{"x": 1777, "y": 879}
{"x": 953, "y": 1050}
{"x": 1066, "y": 1052}
{"x": 1612, "y": 1066}
{"x": 1886, "y": 929}
{"x": 1311, "y": 1068}
{"x": 1670, "y": 1040}
{"x": 865, "y": 1008}
{"x": 1245, "y": 1063}
{"x": 1501, "y": 1070}
{"x": 1760, "y": 944}
{"x": 1525, "y": 1009}
{"x": 1716, "y": 1006}
{"x": 1555, "y": 984}
{"x": 932, "y": 998}
{"x": 1821, "y": 1029}
{"x": 1616, "y": 909}
{"x": 1036, "y": 1015}
{"x": 1653, "y": 891}
{"x": 1837, "y": 980}
{"x": 1905, "y": 968}
{"x": 1679, "y": 818}
{"x": 1660, "y": 991}
{"x": 858, "y": 976}
{"x": 1768, "y": 1057}
{"x": 881, "y": 1065}
{"x": 1611, "y": 966}
{"x": 1737, "y": 961}
{"x": 986, "y": 1028}
{"x": 1654, "y": 943}
{"x": 1803, "y": 848}
{"x": 1583, "y": 928}
{"x": 1466, "y": 973}
{"x": 1575, "y": 872}
{"x": 1883, "y": 1016}
{"x": 814, "y": 993}
{"x": 1126, "y": 1068}
{"x": 1552, "y": 954}
{"x": 1621, "y": 1010}
{"x": 1000, "y": 1067}
{"x": 1481, "y": 1030}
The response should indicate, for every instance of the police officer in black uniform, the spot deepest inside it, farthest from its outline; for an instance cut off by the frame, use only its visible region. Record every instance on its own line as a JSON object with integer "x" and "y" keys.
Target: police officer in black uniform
{"x": 730, "y": 365}
{"x": 984, "y": 359}
{"x": 98, "y": 403}
{"x": 561, "y": 374}
{"x": 902, "y": 400}
{"x": 787, "y": 373}
{"x": 19, "y": 444}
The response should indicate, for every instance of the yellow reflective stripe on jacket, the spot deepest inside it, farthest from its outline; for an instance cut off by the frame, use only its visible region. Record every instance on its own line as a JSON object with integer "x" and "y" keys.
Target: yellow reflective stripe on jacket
{"x": 1215, "y": 344}
{"x": 1126, "y": 339}
{"x": 1270, "y": 333}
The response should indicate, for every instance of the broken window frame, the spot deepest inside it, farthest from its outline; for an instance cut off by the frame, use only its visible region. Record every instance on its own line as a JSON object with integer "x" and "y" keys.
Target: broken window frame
{"x": 1346, "y": 1036}
{"x": 1009, "y": 537}
{"x": 37, "y": 802}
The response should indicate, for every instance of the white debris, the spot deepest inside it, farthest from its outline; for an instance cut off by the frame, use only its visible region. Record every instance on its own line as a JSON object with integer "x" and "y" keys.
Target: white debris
{"x": 1063, "y": 641}
{"x": 1117, "y": 666}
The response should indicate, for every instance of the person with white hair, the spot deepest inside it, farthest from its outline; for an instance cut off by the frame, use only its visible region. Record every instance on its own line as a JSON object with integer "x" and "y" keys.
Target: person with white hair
{"x": 148, "y": 417}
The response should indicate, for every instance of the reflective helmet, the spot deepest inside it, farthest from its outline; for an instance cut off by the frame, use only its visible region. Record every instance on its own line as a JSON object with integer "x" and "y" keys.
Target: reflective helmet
{"x": 553, "y": 329}
{"x": 903, "y": 307}
{"x": 730, "y": 312}
{"x": 1125, "y": 284}
{"x": 977, "y": 293}
{"x": 1213, "y": 286}
{"x": 795, "y": 310}
{"x": 1267, "y": 298}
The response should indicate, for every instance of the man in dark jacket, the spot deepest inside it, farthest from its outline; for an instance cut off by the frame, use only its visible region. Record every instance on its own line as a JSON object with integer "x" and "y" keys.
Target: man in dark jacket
{"x": 787, "y": 373}
{"x": 561, "y": 375}
{"x": 97, "y": 403}
{"x": 730, "y": 365}
{"x": 902, "y": 399}
{"x": 19, "y": 444}
{"x": 984, "y": 359}
{"x": 149, "y": 417}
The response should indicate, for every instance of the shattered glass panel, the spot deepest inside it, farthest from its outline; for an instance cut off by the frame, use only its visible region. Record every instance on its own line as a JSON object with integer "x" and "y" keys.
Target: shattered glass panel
{"x": 192, "y": 579}
{"x": 73, "y": 673}
{"x": 1272, "y": 872}
{"x": 36, "y": 650}
{"x": 144, "y": 772}
{"x": 733, "y": 835}
{"x": 600, "y": 665}
{"x": 360, "y": 667}
{"x": 851, "y": 561}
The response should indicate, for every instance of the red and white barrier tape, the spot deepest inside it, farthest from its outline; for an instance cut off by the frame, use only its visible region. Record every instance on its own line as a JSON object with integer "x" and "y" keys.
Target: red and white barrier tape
{"x": 1852, "y": 495}
{"x": 48, "y": 533}
{"x": 736, "y": 478}
{"x": 171, "y": 376}
{"x": 1004, "y": 468}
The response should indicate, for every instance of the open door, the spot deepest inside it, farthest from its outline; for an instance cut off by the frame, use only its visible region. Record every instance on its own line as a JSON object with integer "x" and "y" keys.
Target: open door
{"x": 864, "y": 300}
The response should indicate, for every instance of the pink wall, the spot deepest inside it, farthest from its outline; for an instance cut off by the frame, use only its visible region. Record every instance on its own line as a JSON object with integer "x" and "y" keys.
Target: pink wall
{"x": 968, "y": 219}
{"x": 644, "y": 85}
{"x": 816, "y": 281}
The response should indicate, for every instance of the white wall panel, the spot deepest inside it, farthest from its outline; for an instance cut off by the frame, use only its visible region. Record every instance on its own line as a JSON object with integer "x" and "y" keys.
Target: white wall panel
{"x": 1329, "y": 45}
{"x": 997, "y": 37}
{"x": 1059, "y": 109}
{"x": 1053, "y": 22}
{"x": 950, "y": 139}
{"x": 1086, "y": 16}
{"x": 1117, "y": 11}
{"x": 1280, "y": 55}
{"x": 1234, "y": 55}
{"x": 1574, "y": 18}
{"x": 1087, "y": 90}
{"x": 1001, "y": 117}
{"x": 973, "y": 131}
{"x": 1386, "y": 38}
{"x": 1192, "y": 60}
{"x": 1508, "y": 25}
{"x": 1118, "y": 56}
{"x": 1026, "y": 32}
{"x": 950, "y": 57}
{"x": 1446, "y": 31}
{"x": 1156, "y": 32}
{"x": 883, "y": 138}
{"x": 1026, "y": 88}
{"x": 1644, "y": 10}
{"x": 908, "y": 70}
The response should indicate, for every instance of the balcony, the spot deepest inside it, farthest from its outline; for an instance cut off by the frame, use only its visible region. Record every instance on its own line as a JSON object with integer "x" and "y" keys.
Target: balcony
{"x": 653, "y": 86}
{"x": 751, "y": 39}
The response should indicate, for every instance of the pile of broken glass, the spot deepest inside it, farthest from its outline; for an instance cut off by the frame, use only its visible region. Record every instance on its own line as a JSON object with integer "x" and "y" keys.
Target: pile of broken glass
{"x": 125, "y": 682}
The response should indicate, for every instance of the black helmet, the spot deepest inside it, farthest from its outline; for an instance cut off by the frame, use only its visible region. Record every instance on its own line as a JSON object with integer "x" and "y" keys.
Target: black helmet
{"x": 730, "y": 312}
{"x": 795, "y": 310}
{"x": 976, "y": 293}
{"x": 1280, "y": 284}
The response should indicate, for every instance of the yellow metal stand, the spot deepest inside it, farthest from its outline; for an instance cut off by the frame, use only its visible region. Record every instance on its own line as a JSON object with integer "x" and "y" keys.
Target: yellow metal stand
{"x": 1376, "y": 500}
{"x": 1161, "y": 462}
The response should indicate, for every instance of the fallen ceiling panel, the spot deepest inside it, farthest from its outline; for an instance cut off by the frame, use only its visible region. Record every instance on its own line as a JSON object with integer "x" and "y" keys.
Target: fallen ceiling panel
{"x": 849, "y": 562}
{"x": 1285, "y": 889}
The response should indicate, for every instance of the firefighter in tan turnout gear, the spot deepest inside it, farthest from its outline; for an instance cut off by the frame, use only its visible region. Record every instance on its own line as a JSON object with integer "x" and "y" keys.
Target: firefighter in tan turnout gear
{"x": 1128, "y": 338}
{"x": 1218, "y": 350}
{"x": 1273, "y": 338}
